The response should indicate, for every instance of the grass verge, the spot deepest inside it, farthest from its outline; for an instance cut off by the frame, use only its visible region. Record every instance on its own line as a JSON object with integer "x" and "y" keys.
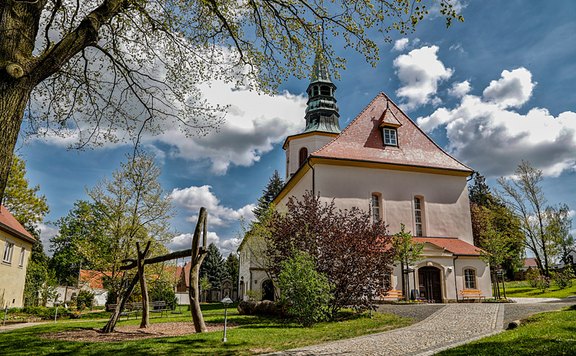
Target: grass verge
{"x": 251, "y": 335}
{"x": 519, "y": 289}
{"x": 552, "y": 333}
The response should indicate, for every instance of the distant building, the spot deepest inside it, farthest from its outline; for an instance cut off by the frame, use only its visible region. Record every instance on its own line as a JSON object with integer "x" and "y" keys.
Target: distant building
{"x": 16, "y": 246}
{"x": 228, "y": 288}
{"x": 382, "y": 163}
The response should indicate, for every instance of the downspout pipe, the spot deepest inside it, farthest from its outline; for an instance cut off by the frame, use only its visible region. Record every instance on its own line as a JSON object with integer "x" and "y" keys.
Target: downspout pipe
{"x": 313, "y": 176}
{"x": 455, "y": 280}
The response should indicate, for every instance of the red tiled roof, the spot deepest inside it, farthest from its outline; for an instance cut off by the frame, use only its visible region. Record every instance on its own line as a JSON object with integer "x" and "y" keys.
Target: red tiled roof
{"x": 362, "y": 140}
{"x": 9, "y": 224}
{"x": 451, "y": 244}
{"x": 530, "y": 262}
{"x": 94, "y": 279}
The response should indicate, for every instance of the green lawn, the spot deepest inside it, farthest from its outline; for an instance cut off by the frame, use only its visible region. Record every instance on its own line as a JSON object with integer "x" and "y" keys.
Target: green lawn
{"x": 251, "y": 335}
{"x": 523, "y": 289}
{"x": 551, "y": 333}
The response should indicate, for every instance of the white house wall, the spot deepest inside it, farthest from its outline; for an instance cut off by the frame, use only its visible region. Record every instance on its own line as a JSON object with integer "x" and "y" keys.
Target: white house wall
{"x": 445, "y": 197}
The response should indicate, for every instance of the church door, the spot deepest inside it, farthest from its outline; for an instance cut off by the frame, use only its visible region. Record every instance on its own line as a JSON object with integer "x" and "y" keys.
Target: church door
{"x": 430, "y": 284}
{"x": 268, "y": 290}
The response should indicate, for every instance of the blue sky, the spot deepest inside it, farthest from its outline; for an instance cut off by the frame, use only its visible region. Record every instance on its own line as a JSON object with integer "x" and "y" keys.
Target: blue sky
{"x": 492, "y": 91}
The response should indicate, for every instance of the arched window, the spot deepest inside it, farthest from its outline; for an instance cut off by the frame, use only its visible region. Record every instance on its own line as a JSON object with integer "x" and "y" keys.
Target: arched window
{"x": 325, "y": 90}
{"x": 418, "y": 216}
{"x": 376, "y": 207}
{"x": 303, "y": 155}
{"x": 469, "y": 278}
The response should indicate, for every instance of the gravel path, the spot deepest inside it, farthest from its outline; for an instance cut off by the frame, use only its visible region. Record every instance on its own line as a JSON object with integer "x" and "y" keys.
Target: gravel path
{"x": 418, "y": 312}
{"x": 451, "y": 325}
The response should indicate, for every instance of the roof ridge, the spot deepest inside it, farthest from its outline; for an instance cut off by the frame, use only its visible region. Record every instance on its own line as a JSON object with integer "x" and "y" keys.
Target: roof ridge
{"x": 425, "y": 134}
{"x": 353, "y": 121}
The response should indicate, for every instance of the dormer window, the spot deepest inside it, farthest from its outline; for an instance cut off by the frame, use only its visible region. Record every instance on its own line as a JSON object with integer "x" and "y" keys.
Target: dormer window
{"x": 390, "y": 136}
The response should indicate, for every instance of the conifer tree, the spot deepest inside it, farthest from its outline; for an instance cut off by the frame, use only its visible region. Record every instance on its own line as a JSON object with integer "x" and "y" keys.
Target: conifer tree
{"x": 272, "y": 189}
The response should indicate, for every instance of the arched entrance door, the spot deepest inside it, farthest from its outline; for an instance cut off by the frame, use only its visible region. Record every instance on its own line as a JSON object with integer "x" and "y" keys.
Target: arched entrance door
{"x": 267, "y": 290}
{"x": 430, "y": 284}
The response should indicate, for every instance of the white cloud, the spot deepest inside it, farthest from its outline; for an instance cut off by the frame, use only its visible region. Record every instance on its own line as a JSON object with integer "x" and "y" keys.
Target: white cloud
{"x": 419, "y": 72}
{"x": 401, "y": 44}
{"x": 513, "y": 89}
{"x": 460, "y": 89}
{"x": 493, "y": 139}
{"x": 193, "y": 198}
{"x": 254, "y": 123}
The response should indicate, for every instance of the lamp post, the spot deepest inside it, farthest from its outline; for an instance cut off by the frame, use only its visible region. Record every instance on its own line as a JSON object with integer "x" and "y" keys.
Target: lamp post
{"x": 226, "y": 301}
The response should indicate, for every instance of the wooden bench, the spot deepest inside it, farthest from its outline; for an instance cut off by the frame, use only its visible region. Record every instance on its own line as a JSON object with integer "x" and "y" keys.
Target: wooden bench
{"x": 392, "y": 295}
{"x": 129, "y": 309}
{"x": 472, "y": 294}
{"x": 159, "y": 307}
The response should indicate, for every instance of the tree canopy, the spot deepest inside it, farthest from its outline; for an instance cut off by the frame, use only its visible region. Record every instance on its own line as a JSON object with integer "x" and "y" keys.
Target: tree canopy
{"x": 347, "y": 248}
{"x": 111, "y": 69}
{"x": 23, "y": 201}
{"x": 543, "y": 226}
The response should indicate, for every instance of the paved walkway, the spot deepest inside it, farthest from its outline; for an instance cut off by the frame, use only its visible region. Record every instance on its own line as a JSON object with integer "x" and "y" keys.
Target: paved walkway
{"x": 453, "y": 325}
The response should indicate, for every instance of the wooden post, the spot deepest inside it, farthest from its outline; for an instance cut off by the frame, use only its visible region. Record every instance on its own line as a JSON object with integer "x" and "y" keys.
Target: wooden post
{"x": 145, "y": 323}
{"x": 198, "y": 253}
{"x": 109, "y": 327}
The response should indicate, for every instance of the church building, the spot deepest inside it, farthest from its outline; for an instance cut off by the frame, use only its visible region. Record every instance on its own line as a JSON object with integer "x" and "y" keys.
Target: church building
{"x": 384, "y": 163}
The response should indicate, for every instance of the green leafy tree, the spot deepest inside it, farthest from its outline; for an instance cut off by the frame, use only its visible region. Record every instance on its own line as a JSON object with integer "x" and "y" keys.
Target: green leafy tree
{"x": 304, "y": 290}
{"x": 133, "y": 208}
{"x": 68, "y": 65}
{"x": 213, "y": 266}
{"x": 23, "y": 201}
{"x": 29, "y": 208}
{"x": 538, "y": 221}
{"x": 82, "y": 228}
{"x": 495, "y": 228}
{"x": 272, "y": 189}
{"x": 407, "y": 252}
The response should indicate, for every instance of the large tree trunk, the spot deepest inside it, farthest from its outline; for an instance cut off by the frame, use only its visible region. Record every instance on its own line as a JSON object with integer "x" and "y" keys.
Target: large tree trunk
{"x": 14, "y": 95}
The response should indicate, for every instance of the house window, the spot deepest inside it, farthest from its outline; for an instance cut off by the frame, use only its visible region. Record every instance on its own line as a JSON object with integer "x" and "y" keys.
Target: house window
{"x": 418, "y": 216}
{"x": 470, "y": 278}
{"x": 375, "y": 205}
{"x": 8, "y": 248}
{"x": 390, "y": 137}
{"x": 303, "y": 154}
{"x": 22, "y": 252}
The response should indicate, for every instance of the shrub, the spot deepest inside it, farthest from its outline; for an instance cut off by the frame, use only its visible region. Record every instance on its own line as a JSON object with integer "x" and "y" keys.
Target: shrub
{"x": 45, "y": 313}
{"x": 163, "y": 291}
{"x": 85, "y": 299}
{"x": 563, "y": 278}
{"x": 532, "y": 275}
{"x": 264, "y": 307}
{"x": 305, "y": 291}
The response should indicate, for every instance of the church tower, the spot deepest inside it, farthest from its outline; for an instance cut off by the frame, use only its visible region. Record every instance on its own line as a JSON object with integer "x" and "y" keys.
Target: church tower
{"x": 321, "y": 118}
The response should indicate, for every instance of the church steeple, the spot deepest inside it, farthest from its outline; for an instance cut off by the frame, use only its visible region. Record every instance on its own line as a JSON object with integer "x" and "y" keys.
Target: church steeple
{"x": 322, "y": 110}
